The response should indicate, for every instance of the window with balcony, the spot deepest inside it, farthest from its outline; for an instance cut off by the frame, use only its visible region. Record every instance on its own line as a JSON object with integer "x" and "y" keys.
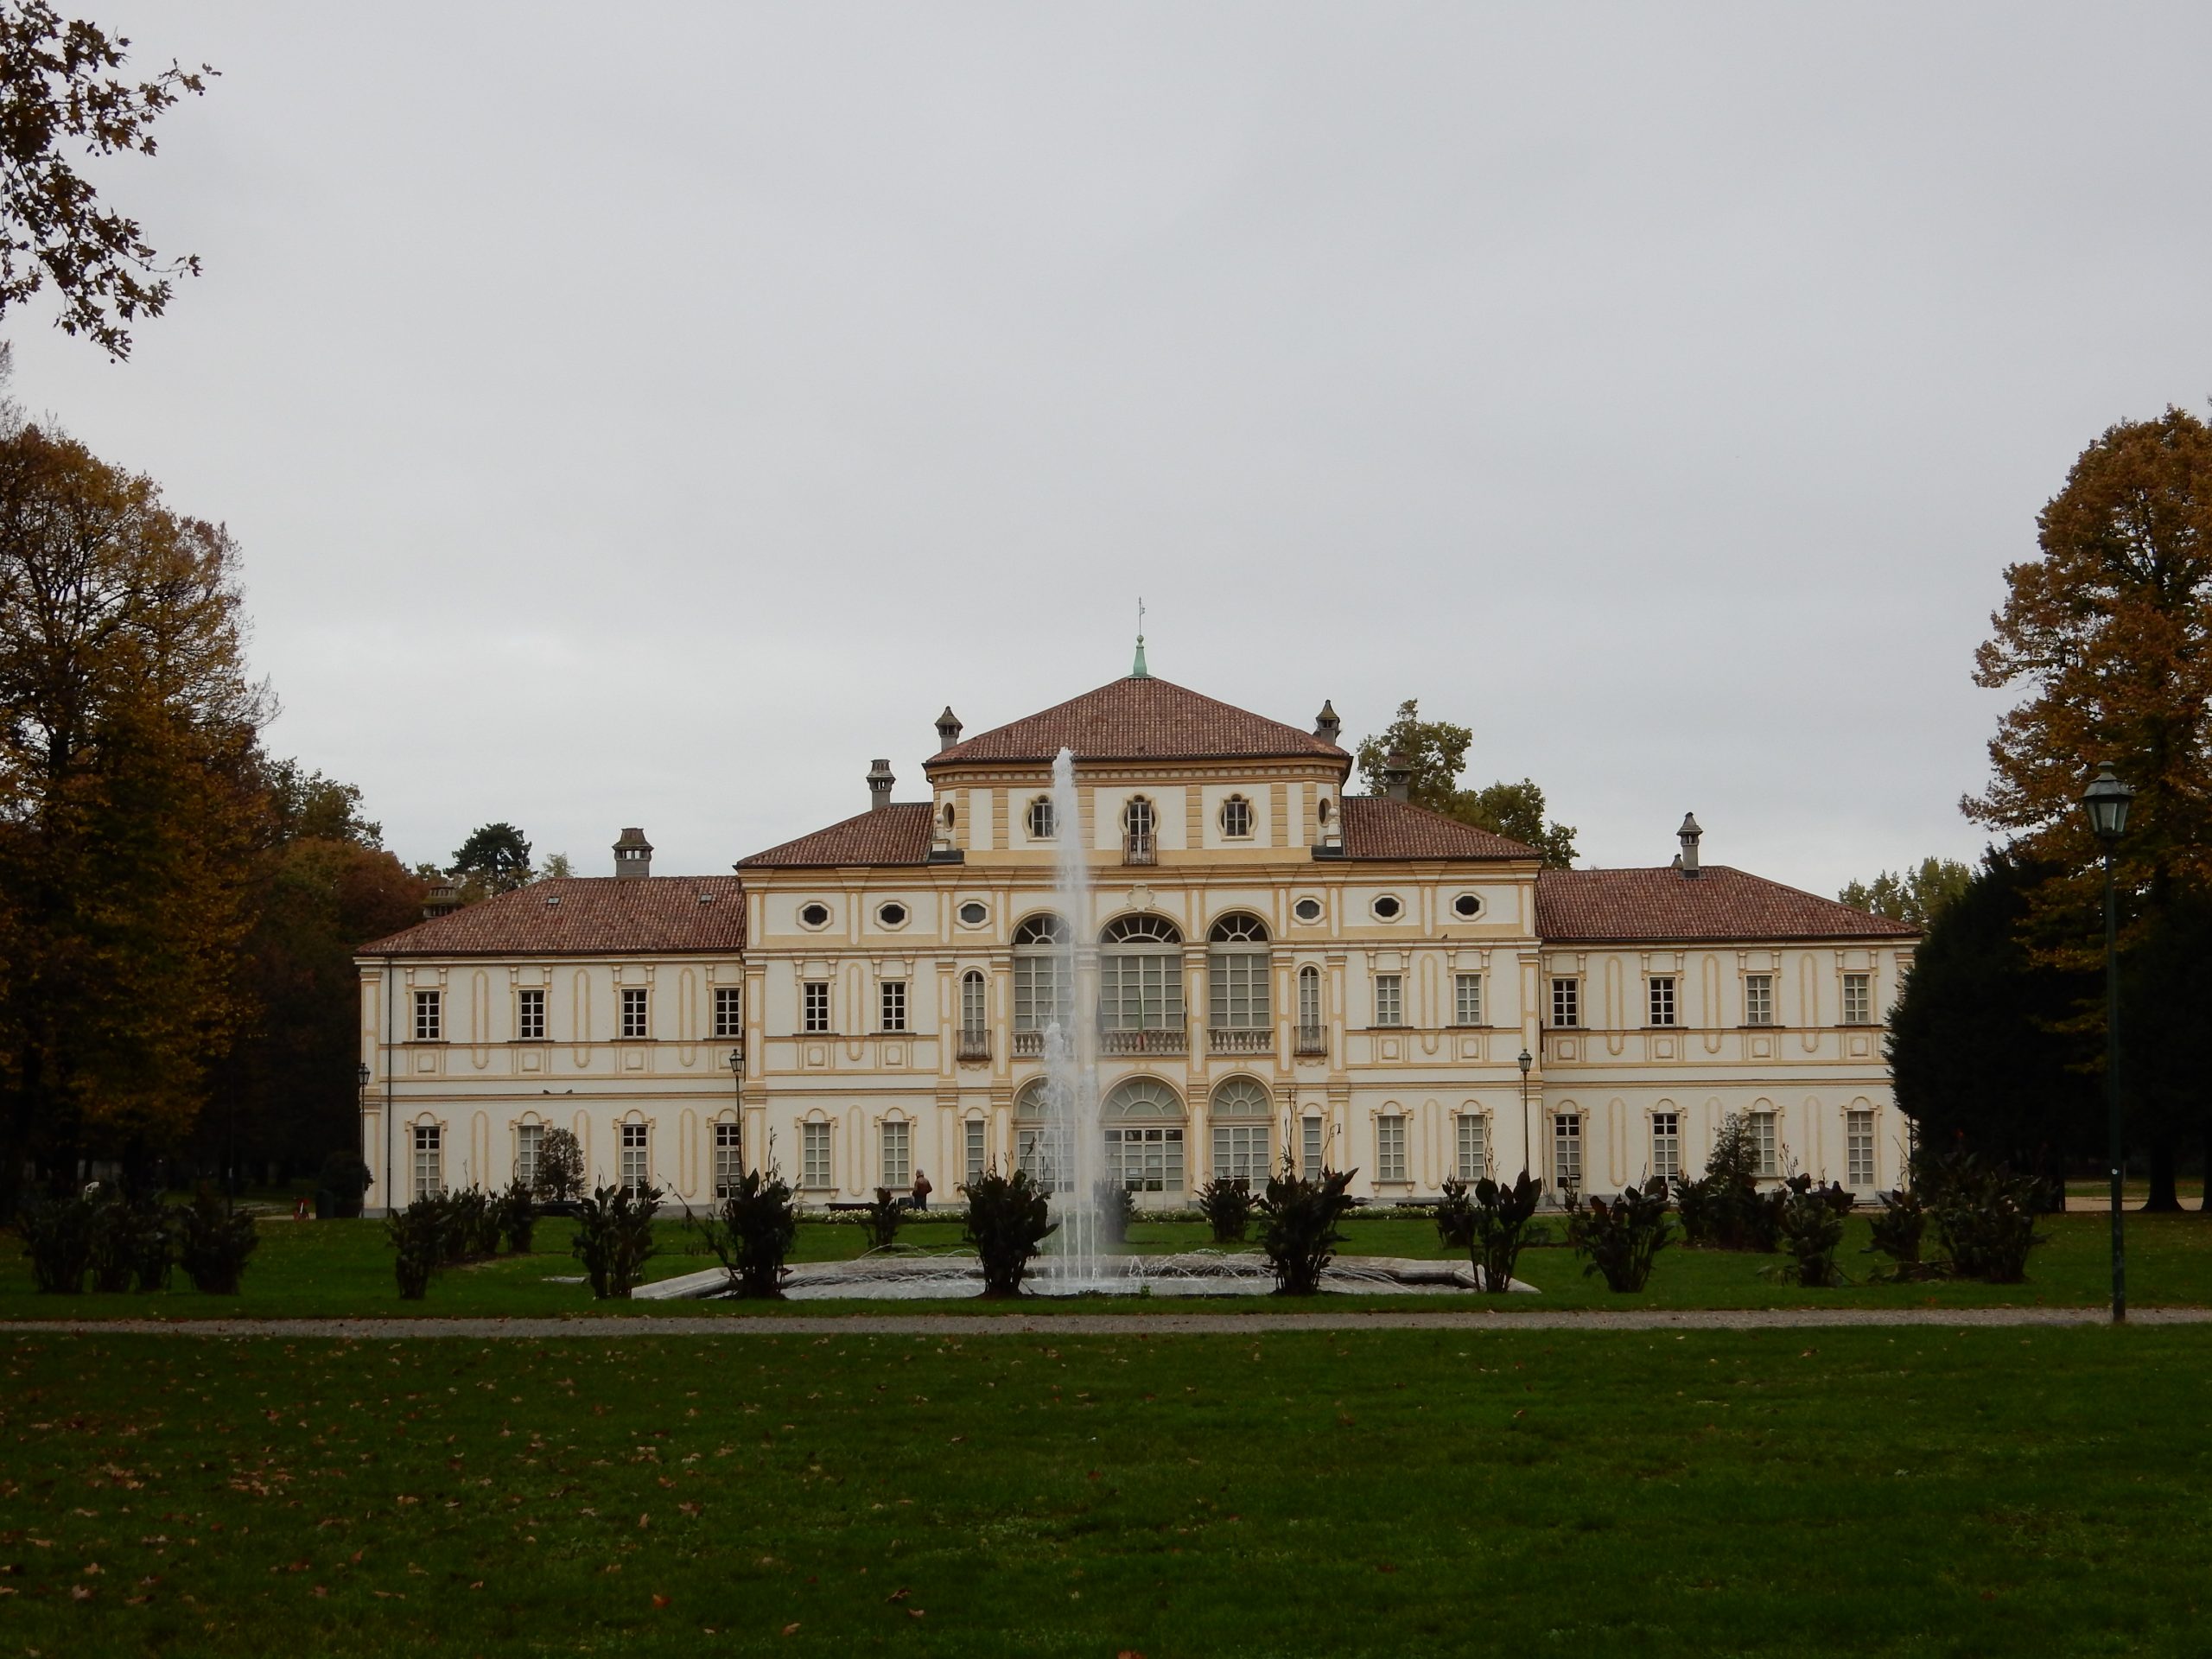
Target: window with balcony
{"x": 1141, "y": 987}
{"x": 1138, "y": 828}
{"x": 1043, "y": 994}
{"x": 1237, "y": 977}
{"x": 1313, "y": 1034}
{"x": 975, "y": 1017}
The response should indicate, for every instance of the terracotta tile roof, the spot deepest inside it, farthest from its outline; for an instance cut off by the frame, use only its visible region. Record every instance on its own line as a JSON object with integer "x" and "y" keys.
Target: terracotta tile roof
{"x": 1377, "y": 827}
{"x": 1137, "y": 719}
{"x": 898, "y": 834}
{"x": 594, "y": 914}
{"x": 1661, "y": 907}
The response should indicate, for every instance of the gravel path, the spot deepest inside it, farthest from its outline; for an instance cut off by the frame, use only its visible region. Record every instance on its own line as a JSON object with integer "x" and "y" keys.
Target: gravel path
{"x": 1097, "y": 1325}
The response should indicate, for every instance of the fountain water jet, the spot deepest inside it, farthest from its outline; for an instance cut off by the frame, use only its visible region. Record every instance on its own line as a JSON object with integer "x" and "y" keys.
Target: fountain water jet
{"x": 1074, "y": 1144}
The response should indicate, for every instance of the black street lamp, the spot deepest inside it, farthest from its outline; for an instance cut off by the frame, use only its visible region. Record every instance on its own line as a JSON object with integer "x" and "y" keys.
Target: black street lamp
{"x": 361, "y": 1076}
{"x": 2106, "y": 800}
{"x": 736, "y": 1064}
{"x": 1527, "y": 1134}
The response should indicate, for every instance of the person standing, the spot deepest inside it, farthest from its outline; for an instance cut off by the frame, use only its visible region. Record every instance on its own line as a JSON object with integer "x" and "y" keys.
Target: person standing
{"x": 922, "y": 1190}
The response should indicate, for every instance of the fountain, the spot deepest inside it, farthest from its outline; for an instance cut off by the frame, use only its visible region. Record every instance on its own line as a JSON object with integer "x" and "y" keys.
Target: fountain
{"x": 1075, "y": 1162}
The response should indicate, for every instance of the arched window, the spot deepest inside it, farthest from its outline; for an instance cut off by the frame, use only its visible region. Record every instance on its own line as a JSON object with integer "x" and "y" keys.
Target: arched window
{"x": 972, "y": 1005}
{"x": 1137, "y": 825}
{"x": 1144, "y": 1136}
{"x": 1140, "y": 975}
{"x": 1042, "y": 990}
{"x": 1236, "y": 974}
{"x": 1044, "y": 822}
{"x": 1312, "y": 1032}
{"x": 1241, "y": 1111}
{"x": 1237, "y": 819}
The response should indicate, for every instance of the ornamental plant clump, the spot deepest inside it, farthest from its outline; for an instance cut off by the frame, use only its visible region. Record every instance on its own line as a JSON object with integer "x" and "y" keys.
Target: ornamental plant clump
{"x": 560, "y": 1169}
{"x": 518, "y": 1216}
{"x": 130, "y": 1240}
{"x": 1455, "y": 1216}
{"x": 1621, "y": 1239}
{"x": 1118, "y": 1208}
{"x": 1723, "y": 1208}
{"x": 57, "y": 1235}
{"x": 1810, "y": 1225}
{"x": 1009, "y": 1218}
{"x": 418, "y": 1238}
{"x": 751, "y": 1234}
{"x": 1499, "y": 1227}
{"x": 1298, "y": 1226}
{"x": 1227, "y": 1206}
{"x": 212, "y": 1246}
{"x": 1984, "y": 1215}
{"x": 614, "y": 1238}
{"x": 881, "y": 1218}
{"x": 1897, "y": 1234}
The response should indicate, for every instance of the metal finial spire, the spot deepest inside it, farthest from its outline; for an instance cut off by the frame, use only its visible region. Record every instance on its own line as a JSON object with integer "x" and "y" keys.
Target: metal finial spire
{"x": 1138, "y": 671}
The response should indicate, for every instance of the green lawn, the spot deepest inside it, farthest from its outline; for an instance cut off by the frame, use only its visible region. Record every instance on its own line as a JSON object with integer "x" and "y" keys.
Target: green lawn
{"x": 344, "y": 1267}
{"x": 1846, "y": 1491}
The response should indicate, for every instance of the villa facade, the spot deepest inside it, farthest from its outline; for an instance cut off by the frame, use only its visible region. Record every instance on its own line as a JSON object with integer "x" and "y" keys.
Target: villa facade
{"x": 1270, "y": 968}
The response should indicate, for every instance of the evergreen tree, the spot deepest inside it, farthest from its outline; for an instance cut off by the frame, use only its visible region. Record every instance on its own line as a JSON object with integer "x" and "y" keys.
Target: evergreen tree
{"x": 1434, "y": 753}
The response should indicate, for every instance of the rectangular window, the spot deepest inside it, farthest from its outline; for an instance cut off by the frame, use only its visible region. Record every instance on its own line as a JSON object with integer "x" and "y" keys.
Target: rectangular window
{"x": 1309, "y": 999}
{"x": 898, "y": 1156}
{"x": 1663, "y": 1000}
{"x": 1309, "y": 1149}
{"x": 1858, "y": 1149}
{"x": 1240, "y": 1154}
{"x": 729, "y": 1165}
{"x": 1140, "y": 991}
{"x": 894, "y": 1000}
{"x": 1040, "y": 993}
{"x": 430, "y": 1160}
{"x": 529, "y": 1015}
{"x": 1474, "y": 1147}
{"x": 1390, "y": 1148}
{"x": 633, "y": 1012}
{"x": 1567, "y": 1003}
{"x": 814, "y": 1156}
{"x": 974, "y": 1151}
{"x": 814, "y": 1005}
{"x": 430, "y": 1023}
{"x": 530, "y": 1141}
{"x": 1758, "y": 999}
{"x": 1858, "y": 998}
{"x": 1145, "y": 1160}
{"x": 1467, "y": 998}
{"x": 1767, "y": 1145}
{"x": 1566, "y": 1150}
{"x": 1667, "y": 1145}
{"x": 1389, "y": 999}
{"x": 729, "y": 1012}
{"x": 635, "y": 1175}
{"x": 1238, "y": 980}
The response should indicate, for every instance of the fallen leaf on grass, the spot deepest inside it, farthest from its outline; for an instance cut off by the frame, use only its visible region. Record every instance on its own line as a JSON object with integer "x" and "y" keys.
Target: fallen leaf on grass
{"x": 660, "y": 1601}
{"x": 792, "y": 1629}
{"x": 319, "y": 1591}
{"x": 898, "y": 1595}
{"x": 914, "y": 1613}
{"x": 80, "y": 1593}
{"x": 479, "y": 1585}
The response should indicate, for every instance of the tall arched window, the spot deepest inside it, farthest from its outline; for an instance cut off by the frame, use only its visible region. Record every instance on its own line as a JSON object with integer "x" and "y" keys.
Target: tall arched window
{"x": 1042, "y": 992}
{"x": 975, "y": 1017}
{"x": 1143, "y": 1119}
{"x": 1237, "y": 980}
{"x": 1140, "y": 983}
{"x": 1137, "y": 827}
{"x": 1241, "y": 1111}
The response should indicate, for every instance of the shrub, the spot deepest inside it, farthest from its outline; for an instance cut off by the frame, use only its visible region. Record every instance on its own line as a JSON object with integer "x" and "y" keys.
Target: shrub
{"x": 212, "y": 1246}
{"x": 418, "y": 1237}
{"x": 345, "y": 1178}
{"x": 751, "y": 1232}
{"x": 560, "y": 1169}
{"x": 113, "y": 1257}
{"x": 1227, "y": 1206}
{"x": 1898, "y": 1233}
{"x": 1298, "y": 1230}
{"x": 1984, "y": 1215}
{"x": 518, "y": 1216}
{"x": 472, "y": 1226}
{"x": 57, "y": 1235}
{"x": 1009, "y": 1220}
{"x": 614, "y": 1238}
{"x": 1809, "y": 1224}
{"x": 1118, "y": 1208}
{"x": 1455, "y": 1216}
{"x": 1621, "y": 1239}
{"x": 1498, "y": 1227}
{"x": 882, "y": 1220}
{"x": 1723, "y": 1208}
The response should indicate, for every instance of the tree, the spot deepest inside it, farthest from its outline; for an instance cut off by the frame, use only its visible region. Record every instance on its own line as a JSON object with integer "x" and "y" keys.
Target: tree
{"x": 557, "y": 868}
{"x": 57, "y": 93}
{"x": 130, "y": 796}
{"x": 2109, "y": 633}
{"x": 1434, "y": 753}
{"x": 1917, "y": 895}
{"x": 494, "y": 859}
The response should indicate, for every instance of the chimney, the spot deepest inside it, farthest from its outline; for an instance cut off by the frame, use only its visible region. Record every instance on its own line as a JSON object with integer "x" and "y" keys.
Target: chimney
{"x": 442, "y": 899}
{"x": 1395, "y": 773}
{"x": 634, "y": 854}
{"x": 1686, "y": 863}
{"x": 879, "y": 785}
{"x": 948, "y": 729}
{"x": 1327, "y": 726}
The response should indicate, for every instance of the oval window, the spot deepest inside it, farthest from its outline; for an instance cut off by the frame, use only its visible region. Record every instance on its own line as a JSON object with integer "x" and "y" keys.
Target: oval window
{"x": 1307, "y": 910}
{"x": 1386, "y": 909}
{"x": 973, "y": 914}
{"x": 1467, "y": 906}
{"x": 892, "y": 915}
{"x": 814, "y": 915}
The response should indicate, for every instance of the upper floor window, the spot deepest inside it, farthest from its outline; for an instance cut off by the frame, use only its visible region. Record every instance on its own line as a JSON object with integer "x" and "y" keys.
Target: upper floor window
{"x": 974, "y": 1016}
{"x": 429, "y": 1016}
{"x": 1858, "y": 998}
{"x": 893, "y": 1002}
{"x": 1137, "y": 818}
{"x": 633, "y": 1012}
{"x": 729, "y": 1012}
{"x": 1043, "y": 820}
{"x": 814, "y": 1005}
{"x": 1237, "y": 819}
{"x": 1758, "y": 999}
{"x": 1567, "y": 1003}
{"x": 530, "y": 1015}
{"x": 1467, "y": 998}
{"x": 1309, "y": 1000}
{"x": 1140, "y": 975}
{"x": 1043, "y": 995}
{"x": 1237, "y": 972}
{"x": 1389, "y": 999}
{"x": 1663, "y": 1000}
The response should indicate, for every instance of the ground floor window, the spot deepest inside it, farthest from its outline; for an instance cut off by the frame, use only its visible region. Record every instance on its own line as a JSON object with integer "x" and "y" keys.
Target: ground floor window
{"x": 1390, "y": 1148}
{"x": 1766, "y": 1145}
{"x": 1146, "y": 1160}
{"x": 1859, "y": 1148}
{"x": 1667, "y": 1145}
{"x": 1474, "y": 1147}
{"x": 1309, "y": 1149}
{"x": 1240, "y": 1154}
{"x": 634, "y": 1147}
{"x": 973, "y": 1149}
{"x": 814, "y": 1156}
{"x": 429, "y": 1160}
{"x": 728, "y": 1165}
{"x": 530, "y": 1141}
{"x": 1566, "y": 1150}
{"x": 898, "y": 1155}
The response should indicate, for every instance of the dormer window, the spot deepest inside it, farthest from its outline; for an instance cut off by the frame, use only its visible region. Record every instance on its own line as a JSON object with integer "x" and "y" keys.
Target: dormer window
{"x": 1044, "y": 822}
{"x": 1237, "y": 819}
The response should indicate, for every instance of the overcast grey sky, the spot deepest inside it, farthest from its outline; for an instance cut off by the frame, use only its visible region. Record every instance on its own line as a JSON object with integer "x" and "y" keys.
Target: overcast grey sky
{"x": 648, "y": 415}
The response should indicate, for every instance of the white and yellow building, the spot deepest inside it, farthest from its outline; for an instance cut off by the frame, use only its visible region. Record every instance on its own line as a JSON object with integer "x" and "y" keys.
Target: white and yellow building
{"x": 1274, "y": 968}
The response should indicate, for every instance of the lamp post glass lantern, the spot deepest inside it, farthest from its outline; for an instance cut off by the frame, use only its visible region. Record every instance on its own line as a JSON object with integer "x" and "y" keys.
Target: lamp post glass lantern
{"x": 2105, "y": 801}
{"x": 1527, "y": 1134}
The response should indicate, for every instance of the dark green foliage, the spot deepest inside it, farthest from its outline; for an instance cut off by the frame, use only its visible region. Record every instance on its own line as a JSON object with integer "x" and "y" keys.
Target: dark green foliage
{"x": 345, "y": 1178}
{"x": 1298, "y": 1229}
{"x": 1723, "y": 1208}
{"x": 1118, "y": 1208}
{"x": 1984, "y": 1215}
{"x": 560, "y": 1169}
{"x": 518, "y": 1216}
{"x": 1498, "y": 1227}
{"x": 57, "y": 1235}
{"x": 614, "y": 1237}
{"x": 1009, "y": 1220}
{"x": 212, "y": 1246}
{"x": 750, "y": 1233}
{"x": 1455, "y": 1216}
{"x": 131, "y": 1240}
{"x": 1227, "y": 1206}
{"x": 1620, "y": 1239}
{"x": 1809, "y": 1227}
{"x": 494, "y": 859}
{"x": 881, "y": 1218}
{"x": 1898, "y": 1230}
{"x": 418, "y": 1238}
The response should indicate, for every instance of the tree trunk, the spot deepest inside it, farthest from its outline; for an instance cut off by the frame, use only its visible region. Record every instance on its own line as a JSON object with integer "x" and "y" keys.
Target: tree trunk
{"x": 2164, "y": 1199}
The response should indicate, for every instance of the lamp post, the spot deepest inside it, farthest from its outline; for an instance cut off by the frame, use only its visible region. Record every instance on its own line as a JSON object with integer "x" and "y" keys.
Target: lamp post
{"x": 1527, "y": 1134}
{"x": 736, "y": 1064}
{"x": 2106, "y": 800}
{"x": 361, "y": 1075}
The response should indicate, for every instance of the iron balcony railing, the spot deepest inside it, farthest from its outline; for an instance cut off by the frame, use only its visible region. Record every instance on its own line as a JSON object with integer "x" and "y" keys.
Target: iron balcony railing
{"x": 1241, "y": 1039}
{"x": 975, "y": 1045}
{"x": 1313, "y": 1039}
{"x": 1137, "y": 848}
